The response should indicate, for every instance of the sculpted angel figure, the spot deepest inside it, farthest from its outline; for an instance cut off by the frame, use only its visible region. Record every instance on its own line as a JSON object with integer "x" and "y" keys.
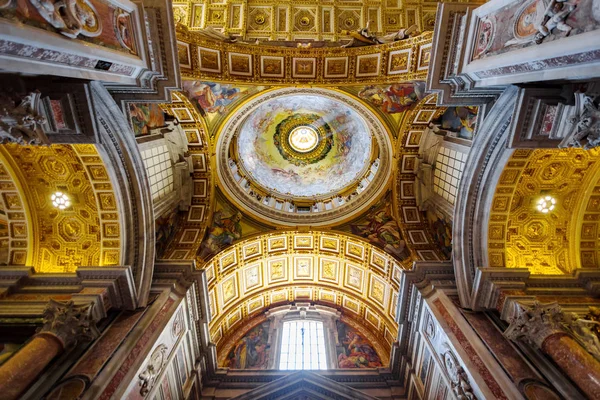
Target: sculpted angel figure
{"x": 362, "y": 37}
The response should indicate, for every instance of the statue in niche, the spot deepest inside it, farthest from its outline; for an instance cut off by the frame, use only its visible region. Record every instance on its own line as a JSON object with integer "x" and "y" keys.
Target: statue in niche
{"x": 554, "y": 17}
{"x": 21, "y": 123}
{"x": 586, "y": 127}
{"x": 362, "y": 37}
{"x": 586, "y": 330}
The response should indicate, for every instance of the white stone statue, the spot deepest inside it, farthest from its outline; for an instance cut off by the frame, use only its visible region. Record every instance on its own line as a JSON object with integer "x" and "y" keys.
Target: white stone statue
{"x": 362, "y": 37}
{"x": 21, "y": 123}
{"x": 216, "y": 34}
{"x": 70, "y": 17}
{"x": 586, "y": 127}
{"x": 554, "y": 17}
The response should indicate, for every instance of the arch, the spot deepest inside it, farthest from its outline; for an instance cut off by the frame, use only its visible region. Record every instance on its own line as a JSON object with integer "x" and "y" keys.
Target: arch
{"x": 320, "y": 267}
{"x": 189, "y": 234}
{"x": 89, "y": 229}
{"x": 482, "y": 171}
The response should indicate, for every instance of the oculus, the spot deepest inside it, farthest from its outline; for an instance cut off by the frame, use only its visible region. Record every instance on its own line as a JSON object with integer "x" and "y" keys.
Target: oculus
{"x": 303, "y": 139}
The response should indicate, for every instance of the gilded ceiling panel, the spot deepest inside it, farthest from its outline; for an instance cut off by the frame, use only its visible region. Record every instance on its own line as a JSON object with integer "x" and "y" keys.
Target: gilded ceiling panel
{"x": 521, "y": 236}
{"x": 202, "y": 58}
{"x": 281, "y": 267}
{"x": 88, "y": 233}
{"x": 305, "y": 19}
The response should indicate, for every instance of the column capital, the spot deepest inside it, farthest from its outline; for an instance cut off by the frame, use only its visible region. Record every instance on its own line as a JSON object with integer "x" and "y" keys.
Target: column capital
{"x": 535, "y": 323}
{"x": 69, "y": 323}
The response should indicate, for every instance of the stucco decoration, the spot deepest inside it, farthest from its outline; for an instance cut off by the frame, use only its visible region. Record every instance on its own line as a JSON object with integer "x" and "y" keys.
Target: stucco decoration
{"x": 272, "y": 160}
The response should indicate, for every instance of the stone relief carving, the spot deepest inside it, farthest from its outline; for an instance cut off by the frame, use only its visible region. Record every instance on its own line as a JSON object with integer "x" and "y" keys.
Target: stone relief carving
{"x": 70, "y": 17}
{"x": 458, "y": 377}
{"x": 586, "y": 126}
{"x": 150, "y": 374}
{"x": 70, "y": 323}
{"x": 21, "y": 123}
{"x": 362, "y": 37}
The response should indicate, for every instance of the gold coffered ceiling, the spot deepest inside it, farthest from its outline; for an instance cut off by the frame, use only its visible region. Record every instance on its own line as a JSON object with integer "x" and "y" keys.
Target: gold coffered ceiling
{"x": 86, "y": 234}
{"x": 520, "y": 236}
{"x": 305, "y": 19}
{"x": 323, "y": 267}
{"x": 201, "y": 58}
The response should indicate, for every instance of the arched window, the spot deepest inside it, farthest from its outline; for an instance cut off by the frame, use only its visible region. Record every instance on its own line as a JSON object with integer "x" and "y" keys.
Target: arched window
{"x": 302, "y": 345}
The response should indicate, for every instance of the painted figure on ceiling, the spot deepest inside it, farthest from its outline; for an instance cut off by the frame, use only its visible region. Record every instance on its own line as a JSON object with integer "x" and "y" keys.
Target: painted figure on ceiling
{"x": 145, "y": 117}
{"x": 211, "y": 97}
{"x": 395, "y": 98}
{"x": 461, "y": 120}
{"x": 223, "y": 232}
{"x": 382, "y": 230}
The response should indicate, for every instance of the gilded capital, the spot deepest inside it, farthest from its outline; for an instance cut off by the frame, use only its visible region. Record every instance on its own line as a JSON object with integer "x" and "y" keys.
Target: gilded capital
{"x": 69, "y": 323}
{"x": 535, "y": 323}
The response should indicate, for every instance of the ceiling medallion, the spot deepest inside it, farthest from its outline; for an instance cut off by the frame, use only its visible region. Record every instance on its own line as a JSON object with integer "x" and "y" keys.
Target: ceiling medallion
{"x": 260, "y": 19}
{"x": 304, "y": 21}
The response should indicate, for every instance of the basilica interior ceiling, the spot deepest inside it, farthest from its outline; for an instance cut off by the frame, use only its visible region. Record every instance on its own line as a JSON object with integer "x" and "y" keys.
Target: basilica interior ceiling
{"x": 318, "y": 267}
{"x": 88, "y": 233}
{"x": 557, "y": 241}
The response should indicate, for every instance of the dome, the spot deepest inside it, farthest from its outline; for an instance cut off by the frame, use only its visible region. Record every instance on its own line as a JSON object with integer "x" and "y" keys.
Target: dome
{"x": 304, "y": 145}
{"x": 303, "y": 156}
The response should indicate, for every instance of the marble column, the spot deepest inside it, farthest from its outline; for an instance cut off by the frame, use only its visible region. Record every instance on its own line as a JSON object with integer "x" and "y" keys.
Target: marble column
{"x": 546, "y": 327}
{"x": 65, "y": 325}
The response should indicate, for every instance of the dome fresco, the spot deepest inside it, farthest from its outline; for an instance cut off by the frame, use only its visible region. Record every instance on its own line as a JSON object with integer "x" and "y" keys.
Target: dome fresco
{"x": 304, "y": 145}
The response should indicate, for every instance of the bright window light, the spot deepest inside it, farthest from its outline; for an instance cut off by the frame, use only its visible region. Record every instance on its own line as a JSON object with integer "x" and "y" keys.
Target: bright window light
{"x": 303, "y": 345}
{"x": 546, "y": 204}
{"x": 60, "y": 200}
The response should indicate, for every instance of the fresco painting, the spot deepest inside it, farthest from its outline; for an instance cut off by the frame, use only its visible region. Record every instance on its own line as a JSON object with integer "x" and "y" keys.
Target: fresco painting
{"x": 145, "y": 117}
{"x": 354, "y": 351}
{"x": 212, "y": 97}
{"x": 460, "y": 120}
{"x": 252, "y": 350}
{"x": 320, "y": 175}
{"x": 441, "y": 230}
{"x": 165, "y": 230}
{"x": 381, "y": 229}
{"x": 228, "y": 226}
{"x": 394, "y": 98}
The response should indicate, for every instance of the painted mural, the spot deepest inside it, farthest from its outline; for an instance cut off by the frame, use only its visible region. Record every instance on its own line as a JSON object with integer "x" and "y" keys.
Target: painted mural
{"x": 227, "y": 227}
{"x": 252, "y": 350}
{"x": 394, "y": 98}
{"x": 522, "y": 24}
{"x": 460, "y": 120}
{"x": 353, "y": 350}
{"x": 381, "y": 229}
{"x": 98, "y": 22}
{"x": 441, "y": 230}
{"x": 211, "y": 97}
{"x": 165, "y": 230}
{"x": 145, "y": 117}
{"x": 322, "y": 169}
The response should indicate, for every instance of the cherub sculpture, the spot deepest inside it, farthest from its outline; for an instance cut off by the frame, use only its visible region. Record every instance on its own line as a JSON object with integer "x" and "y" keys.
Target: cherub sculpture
{"x": 554, "y": 17}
